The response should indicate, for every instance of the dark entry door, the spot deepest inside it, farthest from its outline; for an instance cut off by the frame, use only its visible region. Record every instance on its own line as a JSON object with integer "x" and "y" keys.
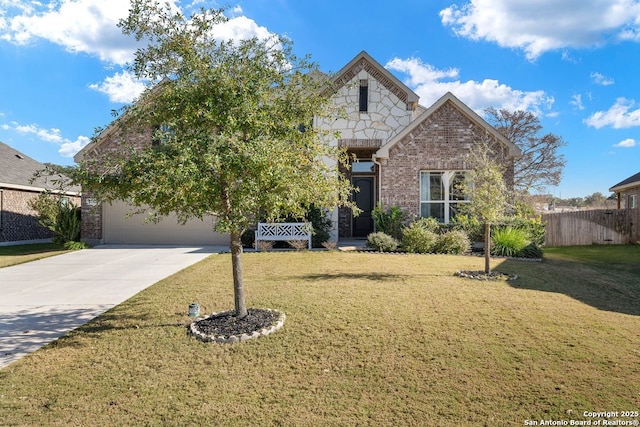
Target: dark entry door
{"x": 363, "y": 223}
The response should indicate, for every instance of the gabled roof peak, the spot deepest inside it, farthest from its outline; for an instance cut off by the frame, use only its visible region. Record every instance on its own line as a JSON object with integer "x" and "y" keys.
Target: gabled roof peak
{"x": 449, "y": 97}
{"x": 364, "y": 61}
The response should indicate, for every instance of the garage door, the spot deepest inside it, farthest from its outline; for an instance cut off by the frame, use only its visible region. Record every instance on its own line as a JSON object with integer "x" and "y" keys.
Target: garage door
{"x": 118, "y": 228}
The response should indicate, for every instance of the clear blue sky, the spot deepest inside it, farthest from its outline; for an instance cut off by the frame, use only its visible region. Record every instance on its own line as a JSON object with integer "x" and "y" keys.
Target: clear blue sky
{"x": 575, "y": 63}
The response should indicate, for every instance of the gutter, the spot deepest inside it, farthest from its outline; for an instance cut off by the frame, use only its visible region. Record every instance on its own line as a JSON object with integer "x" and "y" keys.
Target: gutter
{"x": 36, "y": 189}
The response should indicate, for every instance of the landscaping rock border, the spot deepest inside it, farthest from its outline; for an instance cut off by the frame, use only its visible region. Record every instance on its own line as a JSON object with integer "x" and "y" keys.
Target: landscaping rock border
{"x": 259, "y": 328}
{"x": 481, "y": 275}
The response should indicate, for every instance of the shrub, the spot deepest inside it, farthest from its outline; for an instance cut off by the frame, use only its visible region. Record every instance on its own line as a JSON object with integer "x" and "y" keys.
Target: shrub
{"x": 509, "y": 241}
{"x": 455, "y": 242}
{"x": 418, "y": 237}
{"x": 390, "y": 221}
{"x": 530, "y": 251}
{"x": 382, "y": 242}
{"x": 321, "y": 225}
{"x": 298, "y": 245}
{"x": 75, "y": 246}
{"x": 470, "y": 225}
{"x": 58, "y": 215}
{"x": 248, "y": 238}
{"x": 534, "y": 227}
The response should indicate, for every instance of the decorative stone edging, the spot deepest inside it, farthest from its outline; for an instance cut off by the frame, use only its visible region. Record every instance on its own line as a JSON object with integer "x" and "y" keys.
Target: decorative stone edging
{"x": 193, "y": 330}
{"x": 481, "y": 275}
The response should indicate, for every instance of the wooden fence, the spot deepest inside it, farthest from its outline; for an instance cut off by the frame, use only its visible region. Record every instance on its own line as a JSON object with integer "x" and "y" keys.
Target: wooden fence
{"x": 602, "y": 226}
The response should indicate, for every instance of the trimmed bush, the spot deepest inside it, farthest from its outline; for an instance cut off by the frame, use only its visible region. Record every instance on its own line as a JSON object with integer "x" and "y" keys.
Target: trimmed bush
{"x": 389, "y": 221}
{"x": 382, "y": 242}
{"x": 455, "y": 242}
{"x": 470, "y": 225}
{"x": 509, "y": 241}
{"x": 419, "y": 238}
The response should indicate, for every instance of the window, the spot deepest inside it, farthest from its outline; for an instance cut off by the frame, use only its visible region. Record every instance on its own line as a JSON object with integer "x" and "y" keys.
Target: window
{"x": 364, "y": 96}
{"x": 633, "y": 201}
{"x": 161, "y": 135}
{"x": 362, "y": 166}
{"x": 441, "y": 194}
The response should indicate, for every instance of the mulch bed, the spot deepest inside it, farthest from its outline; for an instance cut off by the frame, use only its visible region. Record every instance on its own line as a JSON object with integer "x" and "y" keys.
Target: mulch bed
{"x": 226, "y": 327}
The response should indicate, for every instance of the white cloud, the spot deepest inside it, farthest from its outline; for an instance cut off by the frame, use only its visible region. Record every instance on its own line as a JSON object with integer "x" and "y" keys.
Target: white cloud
{"x": 540, "y": 26}
{"x": 71, "y": 148}
{"x": 621, "y": 115}
{"x": 90, "y": 26}
{"x": 627, "y": 143}
{"x": 576, "y": 101}
{"x": 240, "y": 28}
{"x": 68, "y": 147}
{"x": 427, "y": 82}
{"x": 121, "y": 87}
{"x": 601, "y": 79}
{"x": 87, "y": 26}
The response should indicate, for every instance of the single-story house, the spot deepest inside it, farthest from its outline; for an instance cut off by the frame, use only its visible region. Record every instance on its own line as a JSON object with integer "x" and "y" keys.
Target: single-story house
{"x": 627, "y": 195}
{"x": 18, "y": 222}
{"x": 405, "y": 154}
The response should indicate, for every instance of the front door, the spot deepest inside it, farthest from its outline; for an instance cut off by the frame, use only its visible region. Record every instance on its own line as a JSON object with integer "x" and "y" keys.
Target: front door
{"x": 364, "y": 199}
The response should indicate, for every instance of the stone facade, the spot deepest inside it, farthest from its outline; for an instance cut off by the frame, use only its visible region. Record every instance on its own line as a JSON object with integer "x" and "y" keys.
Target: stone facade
{"x": 403, "y": 138}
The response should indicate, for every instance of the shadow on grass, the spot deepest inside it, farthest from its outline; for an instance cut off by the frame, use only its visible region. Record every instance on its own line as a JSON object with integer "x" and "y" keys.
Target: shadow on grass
{"x": 373, "y": 276}
{"x": 613, "y": 288}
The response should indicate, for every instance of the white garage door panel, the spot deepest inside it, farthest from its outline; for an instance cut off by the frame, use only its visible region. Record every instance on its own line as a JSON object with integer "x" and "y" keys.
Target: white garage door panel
{"x": 118, "y": 228}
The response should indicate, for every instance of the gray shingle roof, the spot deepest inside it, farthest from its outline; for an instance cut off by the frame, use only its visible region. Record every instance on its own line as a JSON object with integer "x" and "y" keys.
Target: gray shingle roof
{"x": 17, "y": 168}
{"x": 634, "y": 179}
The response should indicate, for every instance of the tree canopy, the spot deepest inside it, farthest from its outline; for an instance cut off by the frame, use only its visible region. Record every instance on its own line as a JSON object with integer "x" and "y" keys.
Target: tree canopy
{"x": 488, "y": 191}
{"x": 233, "y": 129}
{"x": 541, "y": 164}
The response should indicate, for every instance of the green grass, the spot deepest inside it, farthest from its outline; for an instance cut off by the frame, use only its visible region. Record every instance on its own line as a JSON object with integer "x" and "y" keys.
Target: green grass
{"x": 370, "y": 339}
{"x": 18, "y": 254}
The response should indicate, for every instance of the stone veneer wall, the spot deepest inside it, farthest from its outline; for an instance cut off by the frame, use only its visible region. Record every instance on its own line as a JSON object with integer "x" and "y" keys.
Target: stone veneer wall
{"x": 114, "y": 141}
{"x": 441, "y": 142}
{"x": 386, "y": 116}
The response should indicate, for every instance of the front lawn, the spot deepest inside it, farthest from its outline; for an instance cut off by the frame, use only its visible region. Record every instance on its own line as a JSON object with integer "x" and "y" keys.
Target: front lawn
{"x": 18, "y": 254}
{"x": 370, "y": 339}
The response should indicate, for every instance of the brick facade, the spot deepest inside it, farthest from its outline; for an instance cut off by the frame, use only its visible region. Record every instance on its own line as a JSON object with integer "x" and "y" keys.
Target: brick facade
{"x": 113, "y": 140}
{"x": 18, "y": 222}
{"x": 441, "y": 142}
{"x": 404, "y": 138}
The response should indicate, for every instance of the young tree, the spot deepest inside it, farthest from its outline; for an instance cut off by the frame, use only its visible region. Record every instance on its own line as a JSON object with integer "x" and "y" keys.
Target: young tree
{"x": 232, "y": 130}
{"x": 541, "y": 164}
{"x": 488, "y": 192}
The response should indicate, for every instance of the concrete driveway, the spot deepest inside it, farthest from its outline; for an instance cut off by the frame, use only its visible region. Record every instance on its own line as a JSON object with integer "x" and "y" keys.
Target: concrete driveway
{"x": 42, "y": 300}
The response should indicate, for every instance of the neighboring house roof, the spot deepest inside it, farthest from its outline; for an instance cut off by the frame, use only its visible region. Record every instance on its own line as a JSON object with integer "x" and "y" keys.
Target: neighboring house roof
{"x": 364, "y": 61}
{"x": 514, "y": 151}
{"x": 17, "y": 170}
{"x": 632, "y": 181}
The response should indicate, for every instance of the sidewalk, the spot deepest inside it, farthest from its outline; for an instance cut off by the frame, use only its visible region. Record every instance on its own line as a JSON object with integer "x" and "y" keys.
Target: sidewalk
{"x": 42, "y": 300}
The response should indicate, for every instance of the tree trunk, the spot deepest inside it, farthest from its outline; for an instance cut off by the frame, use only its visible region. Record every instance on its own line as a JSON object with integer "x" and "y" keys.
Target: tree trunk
{"x": 487, "y": 248}
{"x": 238, "y": 285}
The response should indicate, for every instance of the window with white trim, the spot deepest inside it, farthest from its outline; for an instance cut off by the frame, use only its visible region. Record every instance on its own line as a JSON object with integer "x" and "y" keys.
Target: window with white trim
{"x": 441, "y": 194}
